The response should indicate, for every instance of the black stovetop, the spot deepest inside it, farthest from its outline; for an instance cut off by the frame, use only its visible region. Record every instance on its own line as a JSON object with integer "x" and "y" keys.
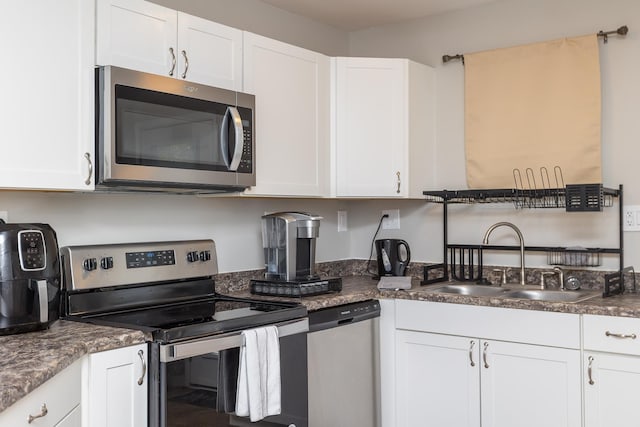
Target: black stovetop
{"x": 204, "y": 316}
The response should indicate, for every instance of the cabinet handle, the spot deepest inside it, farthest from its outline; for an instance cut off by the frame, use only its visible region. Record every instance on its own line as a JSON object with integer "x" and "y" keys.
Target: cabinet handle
{"x": 590, "y": 371}
{"x": 471, "y": 345}
{"x": 484, "y": 355}
{"x": 173, "y": 61}
{"x": 90, "y": 174}
{"x": 144, "y": 367}
{"x": 43, "y": 411}
{"x": 398, "y": 176}
{"x": 621, "y": 336}
{"x": 186, "y": 64}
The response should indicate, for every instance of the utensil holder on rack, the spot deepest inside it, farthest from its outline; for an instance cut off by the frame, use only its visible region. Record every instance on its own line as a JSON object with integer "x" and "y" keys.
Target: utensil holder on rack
{"x": 465, "y": 262}
{"x": 575, "y": 257}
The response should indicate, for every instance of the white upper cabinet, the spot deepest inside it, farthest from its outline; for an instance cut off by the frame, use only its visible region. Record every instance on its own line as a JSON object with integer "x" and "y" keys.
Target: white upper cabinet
{"x": 144, "y": 36}
{"x": 382, "y": 127}
{"x": 47, "y": 103}
{"x": 291, "y": 85}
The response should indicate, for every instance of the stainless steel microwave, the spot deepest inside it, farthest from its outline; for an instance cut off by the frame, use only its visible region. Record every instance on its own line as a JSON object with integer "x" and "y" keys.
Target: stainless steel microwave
{"x": 156, "y": 133}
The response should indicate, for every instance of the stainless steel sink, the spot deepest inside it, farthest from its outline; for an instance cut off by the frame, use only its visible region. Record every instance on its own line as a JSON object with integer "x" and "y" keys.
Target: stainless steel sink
{"x": 472, "y": 290}
{"x": 551, "y": 295}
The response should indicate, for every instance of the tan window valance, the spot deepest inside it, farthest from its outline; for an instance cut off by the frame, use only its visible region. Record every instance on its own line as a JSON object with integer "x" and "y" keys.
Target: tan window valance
{"x": 533, "y": 106}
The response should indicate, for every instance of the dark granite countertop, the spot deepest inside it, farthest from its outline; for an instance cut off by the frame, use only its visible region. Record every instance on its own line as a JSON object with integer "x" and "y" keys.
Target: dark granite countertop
{"x": 28, "y": 360}
{"x": 361, "y": 288}
{"x": 66, "y": 341}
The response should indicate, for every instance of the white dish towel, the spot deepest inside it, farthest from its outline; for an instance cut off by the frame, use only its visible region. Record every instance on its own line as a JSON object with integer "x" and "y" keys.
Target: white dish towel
{"x": 258, "y": 392}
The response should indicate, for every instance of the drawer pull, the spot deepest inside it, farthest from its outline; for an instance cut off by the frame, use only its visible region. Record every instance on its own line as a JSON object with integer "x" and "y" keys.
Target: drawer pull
{"x": 144, "y": 367}
{"x": 484, "y": 355}
{"x": 622, "y": 336}
{"x": 43, "y": 411}
{"x": 590, "y": 371}
{"x": 473, "y": 343}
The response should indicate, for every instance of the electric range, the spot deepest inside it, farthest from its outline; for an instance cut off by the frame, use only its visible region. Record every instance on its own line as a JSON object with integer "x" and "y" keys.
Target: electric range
{"x": 167, "y": 290}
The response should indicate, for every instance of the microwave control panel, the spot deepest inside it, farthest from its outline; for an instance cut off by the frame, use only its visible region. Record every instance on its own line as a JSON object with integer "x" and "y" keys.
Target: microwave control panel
{"x": 246, "y": 160}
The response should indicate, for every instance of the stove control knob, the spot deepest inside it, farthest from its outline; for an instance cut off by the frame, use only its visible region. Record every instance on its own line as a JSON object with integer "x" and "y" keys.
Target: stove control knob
{"x": 90, "y": 264}
{"x": 106, "y": 263}
{"x": 205, "y": 256}
{"x": 192, "y": 256}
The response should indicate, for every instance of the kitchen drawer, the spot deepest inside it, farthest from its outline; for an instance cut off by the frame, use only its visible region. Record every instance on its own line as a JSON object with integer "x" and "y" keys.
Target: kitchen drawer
{"x": 505, "y": 324}
{"x": 61, "y": 394}
{"x": 612, "y": 334}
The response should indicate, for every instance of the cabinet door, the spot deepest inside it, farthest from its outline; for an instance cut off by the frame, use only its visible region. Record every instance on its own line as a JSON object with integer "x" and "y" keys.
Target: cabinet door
{"x": 117, "y": 388}
{"x": 371, "y": 127}
{"x": 73, "y": 419}
{"x": 438, "y": 380}
{"x": 209, "y": 53}
{"x": 47, "y": 94}
{"x": 610, "y": 397}
{"x": 291, "y": 85}
{"x": 530, "y": 386}
{"x": 137, "y": 34}
{"x": 59, "y": 395}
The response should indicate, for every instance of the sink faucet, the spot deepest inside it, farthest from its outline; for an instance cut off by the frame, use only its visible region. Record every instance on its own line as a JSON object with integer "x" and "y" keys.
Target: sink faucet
{"x": 485, "y": 241}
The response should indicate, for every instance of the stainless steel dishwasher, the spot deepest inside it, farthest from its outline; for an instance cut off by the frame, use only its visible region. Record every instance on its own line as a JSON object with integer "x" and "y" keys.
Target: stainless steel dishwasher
{"x": 343, "y": 365}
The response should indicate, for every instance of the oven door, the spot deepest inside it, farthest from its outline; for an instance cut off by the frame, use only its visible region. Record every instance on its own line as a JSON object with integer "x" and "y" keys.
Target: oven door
{"x": 193, "y": 383}
{"x": 156, "y": 130}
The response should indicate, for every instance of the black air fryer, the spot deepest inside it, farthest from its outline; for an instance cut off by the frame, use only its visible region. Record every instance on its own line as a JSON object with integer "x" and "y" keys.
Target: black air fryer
{"x": 29, "y": 278}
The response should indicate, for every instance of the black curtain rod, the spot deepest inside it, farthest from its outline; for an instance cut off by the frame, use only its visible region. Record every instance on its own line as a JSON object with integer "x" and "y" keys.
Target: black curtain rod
{"x": 622, "y": 31}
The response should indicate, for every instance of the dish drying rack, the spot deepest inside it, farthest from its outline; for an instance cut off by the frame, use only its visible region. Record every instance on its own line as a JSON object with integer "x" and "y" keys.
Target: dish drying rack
{"x": 464, "y": 262}
{"x": 574, "y": 198}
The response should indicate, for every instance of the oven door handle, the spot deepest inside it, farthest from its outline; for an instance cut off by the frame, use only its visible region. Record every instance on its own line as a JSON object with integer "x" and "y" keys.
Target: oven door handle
{"x": 173, "y": 352}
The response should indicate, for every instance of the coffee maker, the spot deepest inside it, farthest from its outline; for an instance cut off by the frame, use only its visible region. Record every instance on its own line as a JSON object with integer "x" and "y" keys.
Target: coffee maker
{"x": 289, "y": 245}
{"x": 29, "y": 278}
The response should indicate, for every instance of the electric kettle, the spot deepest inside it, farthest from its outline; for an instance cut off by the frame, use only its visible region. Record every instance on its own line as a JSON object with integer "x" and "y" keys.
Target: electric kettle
{"x": 393, "y": 257}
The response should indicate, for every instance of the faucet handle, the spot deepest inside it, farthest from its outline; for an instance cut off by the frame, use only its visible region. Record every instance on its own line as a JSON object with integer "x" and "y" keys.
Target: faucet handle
{"x": 503, "y": 279}
{"x": 543, "y": 275}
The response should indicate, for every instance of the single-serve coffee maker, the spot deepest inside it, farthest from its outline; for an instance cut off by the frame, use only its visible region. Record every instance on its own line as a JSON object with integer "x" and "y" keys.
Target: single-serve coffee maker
{"x": 393, "y": 257}
{"x": 29, "y": 278}
{"x": 289, "y": 244}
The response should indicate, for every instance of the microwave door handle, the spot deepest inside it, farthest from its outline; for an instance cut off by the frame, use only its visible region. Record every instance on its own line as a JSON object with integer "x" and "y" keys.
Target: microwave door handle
{"x": 239, "y": 130}
{"x": 224, "y": 137}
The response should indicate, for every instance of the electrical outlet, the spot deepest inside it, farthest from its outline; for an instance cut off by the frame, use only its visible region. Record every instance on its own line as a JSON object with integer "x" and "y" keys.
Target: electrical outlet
{"x": 631, "y": 218}
{"x": 4, "y": 215}
{"x": 342, "y": 221}
{"x": 393, "y": 221}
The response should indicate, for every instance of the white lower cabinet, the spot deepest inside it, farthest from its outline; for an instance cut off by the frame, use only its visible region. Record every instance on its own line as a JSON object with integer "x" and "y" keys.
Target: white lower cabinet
{"x": 73, "y": 419}
{"x": 611, "y": 389}
{"x": 460, "y": 381}
{"x": 438, "y": 380}
{"x": 56, "y": 403}
{"x": 464, "y": 366}
{"x": 529, "y": 385}
{"x": 116, "y": 388}
{"x": 611, "y": 371}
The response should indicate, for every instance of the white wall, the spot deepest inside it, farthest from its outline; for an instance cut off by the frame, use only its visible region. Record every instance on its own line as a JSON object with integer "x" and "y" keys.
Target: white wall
{"x": 234, "y": 223}
{"x": 508, "y": 23}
